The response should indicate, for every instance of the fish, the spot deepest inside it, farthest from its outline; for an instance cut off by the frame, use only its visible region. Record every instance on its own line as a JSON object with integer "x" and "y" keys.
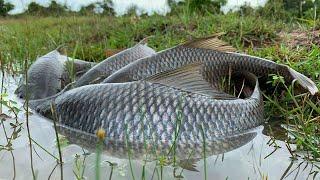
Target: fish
{"x": 218, "y": 58}
{"x": 157, "y": 109}
{"x": 49, "y": 74}
{"x": 171, "y": 98}
{"x": 141, "y": 151}
{"x": 105, "y": 68}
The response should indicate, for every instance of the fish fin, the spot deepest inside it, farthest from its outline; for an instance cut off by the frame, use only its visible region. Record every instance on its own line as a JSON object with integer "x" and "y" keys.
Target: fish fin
{"x": 144, "y": 41}
{"x": 304, "y": 81}
{"x": 188, "y": 78}
{"x": 62, "y": 49}
{"x": 189, "y": 164}
{"x": 211, "y": 42}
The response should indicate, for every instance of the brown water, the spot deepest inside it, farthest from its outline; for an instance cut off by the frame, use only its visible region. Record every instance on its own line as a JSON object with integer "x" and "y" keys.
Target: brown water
{"x": 251, "y": 161}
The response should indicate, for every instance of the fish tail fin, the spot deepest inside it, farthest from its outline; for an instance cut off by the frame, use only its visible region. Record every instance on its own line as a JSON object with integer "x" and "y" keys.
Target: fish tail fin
{"x": 62, "y": 49}
{"x": 304, "y": 81}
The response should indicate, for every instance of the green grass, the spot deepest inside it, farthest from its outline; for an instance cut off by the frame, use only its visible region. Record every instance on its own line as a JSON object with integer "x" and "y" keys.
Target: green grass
{"x": 87, "y": 38}
{"x": 29, "y": 37}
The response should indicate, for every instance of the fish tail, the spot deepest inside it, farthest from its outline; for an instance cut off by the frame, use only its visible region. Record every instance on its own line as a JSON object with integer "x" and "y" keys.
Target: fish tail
{"x": 304, "y": 81}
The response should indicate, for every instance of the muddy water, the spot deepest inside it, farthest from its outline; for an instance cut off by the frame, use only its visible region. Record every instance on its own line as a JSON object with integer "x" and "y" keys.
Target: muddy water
{"x": 250, "y": 161}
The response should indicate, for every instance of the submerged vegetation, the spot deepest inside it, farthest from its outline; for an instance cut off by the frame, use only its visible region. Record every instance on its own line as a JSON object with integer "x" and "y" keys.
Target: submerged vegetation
{"x": 273, "y": 32}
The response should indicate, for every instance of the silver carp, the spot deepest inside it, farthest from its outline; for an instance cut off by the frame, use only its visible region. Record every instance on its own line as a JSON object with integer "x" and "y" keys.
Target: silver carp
{"x": 157, "y": 109}
{"x": 218, "y": 61}
{"x": 114, "y": 63}
{"x": 171, "y": 98}
{"x": 148, "y": 151}
{"x": 49, "y": 74}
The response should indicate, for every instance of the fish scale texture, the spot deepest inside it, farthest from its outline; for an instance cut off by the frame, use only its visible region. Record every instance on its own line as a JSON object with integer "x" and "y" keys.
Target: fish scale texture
{"x": 44, "y": 77}
{"x": 114, "y": 63}
{"x": 140, "y": 111}
{"x": 215, "y": 65}
{"x": 188, "y": 150}
{"x": 49, "y": 74}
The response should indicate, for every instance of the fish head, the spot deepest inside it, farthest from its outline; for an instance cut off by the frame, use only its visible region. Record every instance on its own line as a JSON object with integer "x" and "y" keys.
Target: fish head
{"x": 21, "y": 91}
{"x": 32, "y": 91}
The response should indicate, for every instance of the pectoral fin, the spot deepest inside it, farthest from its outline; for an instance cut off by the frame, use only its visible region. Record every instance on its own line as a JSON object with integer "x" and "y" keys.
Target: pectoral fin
{"x": 189, "y": 164}
{"x": 189, "y": 78}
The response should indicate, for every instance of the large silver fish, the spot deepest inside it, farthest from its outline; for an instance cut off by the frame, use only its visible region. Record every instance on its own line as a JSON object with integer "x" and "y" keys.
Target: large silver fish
{"x": 49, "y": 74}
{"x": 218, "y": 61}
{"x": 148, "y": 151}
{"x": 174, "y": 98}
{"x": 114, "y": 63}
{"x": 173, "y": 107}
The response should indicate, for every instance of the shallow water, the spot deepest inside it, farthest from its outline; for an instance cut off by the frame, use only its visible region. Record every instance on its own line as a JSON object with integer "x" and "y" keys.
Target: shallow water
{"x": 250, "y": 161}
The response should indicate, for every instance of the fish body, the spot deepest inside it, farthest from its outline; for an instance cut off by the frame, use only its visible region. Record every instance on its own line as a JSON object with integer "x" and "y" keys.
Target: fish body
{"x": 114, "y": 63}
{"x": 181, "y": 151}
{"x": 143, "y": 110}
{"x": 164, "y": 103}
{"x": 48, "y": 75}
{"x": 217, "y": 64}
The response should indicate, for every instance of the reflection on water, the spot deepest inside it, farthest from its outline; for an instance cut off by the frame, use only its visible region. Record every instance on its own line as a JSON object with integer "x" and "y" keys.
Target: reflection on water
{"x": 252, "y": 160}
{"x": 147, "y": 150}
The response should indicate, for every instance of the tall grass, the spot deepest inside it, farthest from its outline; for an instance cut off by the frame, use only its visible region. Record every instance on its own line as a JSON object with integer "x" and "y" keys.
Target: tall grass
{"x": 55, "y": 120}
{"x": 27, "y": 120}
{"x": 302, "y": 115}
{"x": 15, "y": 125}
{"x": 91, "y": 36}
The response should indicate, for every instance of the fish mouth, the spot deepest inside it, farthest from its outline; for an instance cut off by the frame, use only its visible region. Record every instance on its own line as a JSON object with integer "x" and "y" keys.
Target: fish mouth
{"x": 21, "y": 91}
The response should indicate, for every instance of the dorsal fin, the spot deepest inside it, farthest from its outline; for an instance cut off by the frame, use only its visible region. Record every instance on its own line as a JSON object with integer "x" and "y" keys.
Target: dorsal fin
{"x": 62, "y": 49}
{"x": 188, "y": 78}
{"x": 144, "y": 41}
{"x": 211, "y": 42}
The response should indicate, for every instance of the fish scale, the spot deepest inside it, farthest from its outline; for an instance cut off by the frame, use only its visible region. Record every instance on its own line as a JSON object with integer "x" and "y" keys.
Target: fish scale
{"x": 141, "y": 150}
{"x": 151, "y": 109}
{"x": 49, "y": 74}
{"x": 124, "y": 115}
{"x": 114, "y": 63}
{"x": 216, "y": 64}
